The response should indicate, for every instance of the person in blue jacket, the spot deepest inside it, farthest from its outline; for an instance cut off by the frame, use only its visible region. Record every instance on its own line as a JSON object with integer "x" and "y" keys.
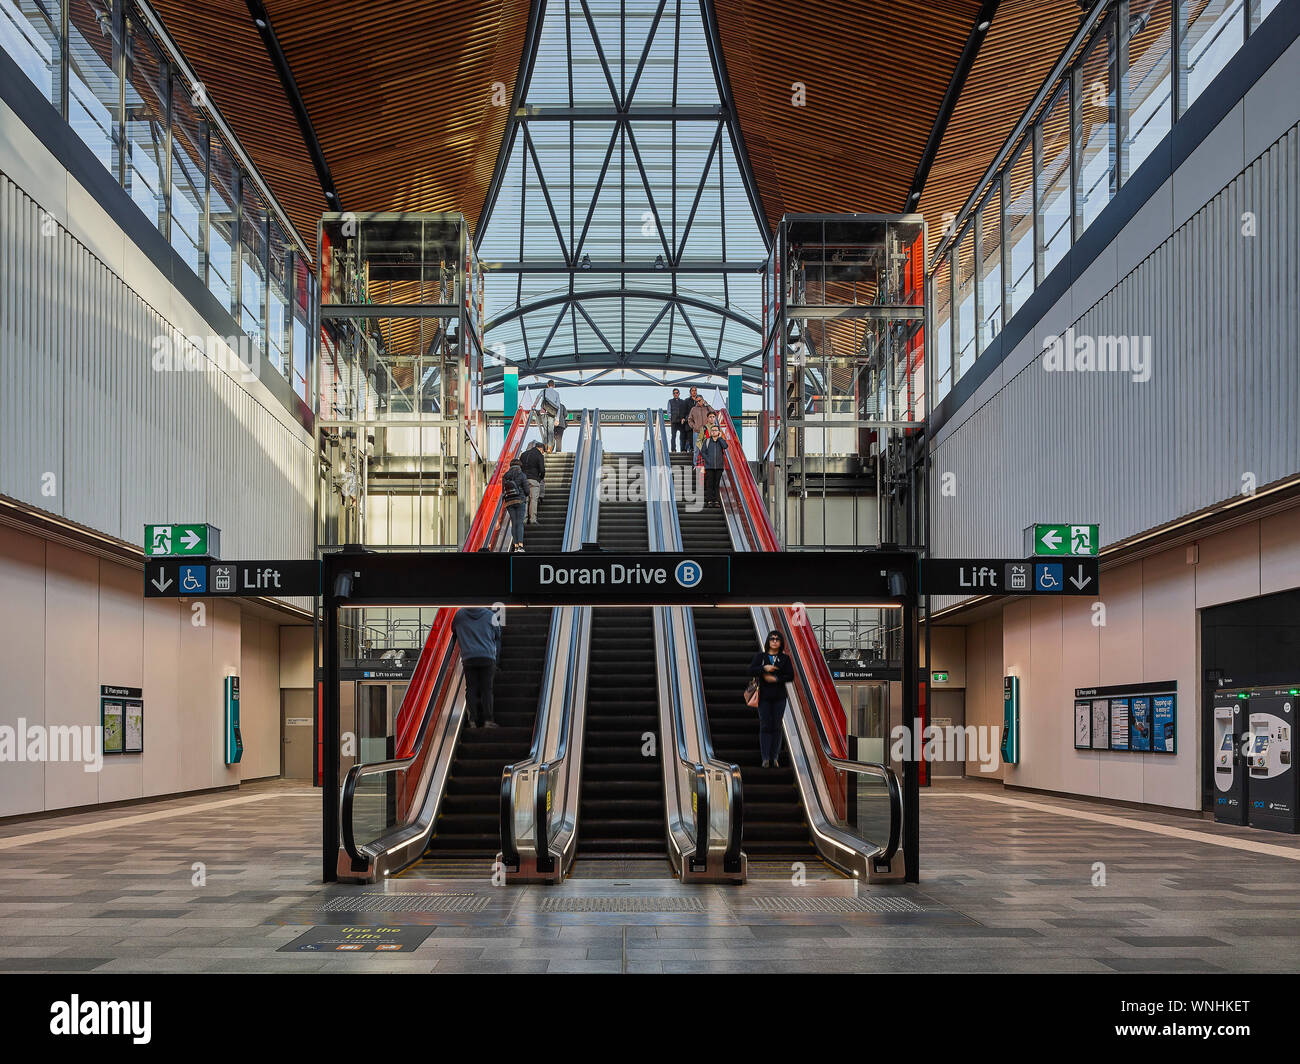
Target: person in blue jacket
{"x": 773, "y": 668}
{"x": 479, "y": 636}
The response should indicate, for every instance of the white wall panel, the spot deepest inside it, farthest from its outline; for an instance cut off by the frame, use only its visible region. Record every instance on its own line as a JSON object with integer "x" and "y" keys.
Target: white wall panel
{"x": 1221, "y": 309}
{"x": 130, "y": 445}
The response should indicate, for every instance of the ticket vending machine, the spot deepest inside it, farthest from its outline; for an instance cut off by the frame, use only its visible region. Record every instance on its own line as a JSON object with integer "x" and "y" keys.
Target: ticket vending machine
{"x": 234, "y": 741}
{"x": 1230, "y": 776}
{"x": 1011, "y": 720}
{"x": 1274, "y": 792}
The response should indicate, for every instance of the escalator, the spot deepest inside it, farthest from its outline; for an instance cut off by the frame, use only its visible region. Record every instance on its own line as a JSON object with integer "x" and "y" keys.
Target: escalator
{"x": 621, "y": 810}
{"x": 469, "y": 823}
{"x": 775, "y": 826}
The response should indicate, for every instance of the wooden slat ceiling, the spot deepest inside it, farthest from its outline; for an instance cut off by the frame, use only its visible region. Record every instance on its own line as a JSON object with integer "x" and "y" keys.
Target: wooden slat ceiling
{"x": 875, "y": 77}
{"x": 1025, "y": 40}
{"x": 221, "y": 43}
{"x": 400, "y": 95}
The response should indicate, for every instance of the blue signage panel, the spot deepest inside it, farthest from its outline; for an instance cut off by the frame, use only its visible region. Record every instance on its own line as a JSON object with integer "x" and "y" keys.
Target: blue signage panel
{"x": 1162, "y": 724}
{"x": 1140, "y": 724}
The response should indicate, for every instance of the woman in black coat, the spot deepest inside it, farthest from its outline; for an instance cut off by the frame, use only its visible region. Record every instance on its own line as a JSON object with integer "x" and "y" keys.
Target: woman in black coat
{"x": 773, "y": 669}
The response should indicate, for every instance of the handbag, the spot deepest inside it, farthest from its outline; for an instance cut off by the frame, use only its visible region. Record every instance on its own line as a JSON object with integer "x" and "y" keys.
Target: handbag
{"x": 751, "y": 693}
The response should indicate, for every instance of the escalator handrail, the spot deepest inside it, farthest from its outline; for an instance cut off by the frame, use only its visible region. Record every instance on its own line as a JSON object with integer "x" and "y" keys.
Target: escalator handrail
{"x": 581, "y": 493}
{"x": 415, "y": 702}
{"x": 670, "y": 538}
{"x": 809, "y": 665}
{"x": 430, "y": 683}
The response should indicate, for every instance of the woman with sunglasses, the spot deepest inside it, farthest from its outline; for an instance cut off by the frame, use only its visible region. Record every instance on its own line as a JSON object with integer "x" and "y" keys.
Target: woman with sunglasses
{"x": 773, "y": 669}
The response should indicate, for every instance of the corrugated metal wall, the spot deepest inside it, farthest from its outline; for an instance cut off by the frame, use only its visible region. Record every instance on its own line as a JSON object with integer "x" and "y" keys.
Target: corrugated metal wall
{"x": 128, "y": 444}
{"x": 1222, "y": 309}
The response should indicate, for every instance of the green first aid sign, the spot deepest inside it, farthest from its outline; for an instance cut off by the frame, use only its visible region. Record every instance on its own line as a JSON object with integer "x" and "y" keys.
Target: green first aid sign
{"x": 182, "y": 541}
{"x": 1063, "y": 541}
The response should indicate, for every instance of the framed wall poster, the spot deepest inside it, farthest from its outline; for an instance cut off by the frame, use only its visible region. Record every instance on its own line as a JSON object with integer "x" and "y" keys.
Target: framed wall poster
{"x": 134, "y": 741}
{"x": 1140, "y": 724}
{"x": 1082, "y": 725}
{"x": 121, "y": 719}
{"x": 111, "y": 719}
{"x": 1101, "y": 724}
{"x": 1163, "y": 725}
{"x": 1119, "y": 723}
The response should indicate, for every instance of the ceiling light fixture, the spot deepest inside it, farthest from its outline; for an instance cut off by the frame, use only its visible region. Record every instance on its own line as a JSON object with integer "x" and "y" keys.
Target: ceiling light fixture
{"x": 983, "y": 26}
{"x": 586, "y": 262}
{"x": 659, "y": 262}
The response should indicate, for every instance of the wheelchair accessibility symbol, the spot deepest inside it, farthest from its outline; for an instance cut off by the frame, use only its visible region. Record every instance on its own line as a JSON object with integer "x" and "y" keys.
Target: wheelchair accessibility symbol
{"x": 688, "y": 573}
{"x": 194, "y": 579}
{"x": 1050, "y": 577}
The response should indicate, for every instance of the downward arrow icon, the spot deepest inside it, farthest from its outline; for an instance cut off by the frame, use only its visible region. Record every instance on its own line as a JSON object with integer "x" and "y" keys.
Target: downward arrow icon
{"x": 190, "y": 539}
{"x": 161, "y": 585}
{"x": 1080, "y": 581}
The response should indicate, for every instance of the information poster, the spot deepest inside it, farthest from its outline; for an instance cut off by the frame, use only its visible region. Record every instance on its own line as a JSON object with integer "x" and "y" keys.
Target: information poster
{"x": 134, "y": 736}
{"x": 1082, "y": 725}
{"x": 1140, "y": 724}
{"x": 1162, "y": 724}
{"x": 1119, "y": 723}
{"x": 1101, "y": 724}
{"x": 111, "y": 717}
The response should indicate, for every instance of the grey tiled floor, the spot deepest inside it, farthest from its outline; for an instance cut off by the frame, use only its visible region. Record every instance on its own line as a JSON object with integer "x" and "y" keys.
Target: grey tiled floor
{"x": 207, "y": 886}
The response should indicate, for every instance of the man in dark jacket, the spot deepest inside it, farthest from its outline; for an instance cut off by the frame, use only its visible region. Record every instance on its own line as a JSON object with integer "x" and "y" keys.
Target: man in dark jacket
{"x": 514, "y": 493}
{"x": 533, "y": 464}
{"x": 679, "y": 432}
{"x": 479, "y": 638}
{"x": 714, "y": 451}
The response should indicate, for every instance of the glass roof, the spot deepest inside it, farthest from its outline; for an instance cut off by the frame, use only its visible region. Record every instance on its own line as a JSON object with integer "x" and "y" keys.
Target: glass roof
{"x": 622, "y": 233}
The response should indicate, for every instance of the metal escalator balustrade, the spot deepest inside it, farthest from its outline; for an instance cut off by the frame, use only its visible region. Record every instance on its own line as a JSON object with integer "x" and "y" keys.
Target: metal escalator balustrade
{"x": 775, "y": 825}
{"x": 538, "y": 794}
{"x": 469, "y": 823}
{"x": 853, "y": 808}
{"x": 705, "y": 805}
{"x": 387, "y": 809}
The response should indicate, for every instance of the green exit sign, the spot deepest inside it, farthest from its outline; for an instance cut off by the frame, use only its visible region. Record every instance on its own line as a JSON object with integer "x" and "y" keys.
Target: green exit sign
{"x": 1061, "y": 541}
{"x": 940, "y": 677}
{"x": 182, "y": 541}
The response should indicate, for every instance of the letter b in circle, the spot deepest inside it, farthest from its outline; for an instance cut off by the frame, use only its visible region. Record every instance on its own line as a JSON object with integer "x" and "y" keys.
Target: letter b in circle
{"x": 688, "y": 573}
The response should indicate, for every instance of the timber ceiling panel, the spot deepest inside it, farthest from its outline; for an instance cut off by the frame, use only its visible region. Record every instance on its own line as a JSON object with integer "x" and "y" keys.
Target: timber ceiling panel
{"x": 221, "y": 43}
{"x": 875, "y": 76}
{"x": 1025, "y": 40}
{"x": 401, "y": 94}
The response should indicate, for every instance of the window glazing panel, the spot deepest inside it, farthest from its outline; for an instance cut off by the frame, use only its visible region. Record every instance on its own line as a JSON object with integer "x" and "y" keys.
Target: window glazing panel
{"x": 989, "y": 262}
{"x": 277, "y": 307}
{"x": 1260, "y": 10}
{"x": 965, "y": 302}
{"x": 146, "y": 124}
{"x": 1210, "y": 32}
{"x": 29, "y": 34}
{"x": 92, "y": 79}
{"x": 1148, "y": 82}
{"x": 1020, "y": 227}
{"x": 304, "y": 303}
{"x": 221, "y": 224}
{"x": 1095, "y": 135}
{"x": 943, "y": 329}
{"x": 1053, "y": 179}
{"x": 252, "y": 274}
{"x": 188, "y": 183}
